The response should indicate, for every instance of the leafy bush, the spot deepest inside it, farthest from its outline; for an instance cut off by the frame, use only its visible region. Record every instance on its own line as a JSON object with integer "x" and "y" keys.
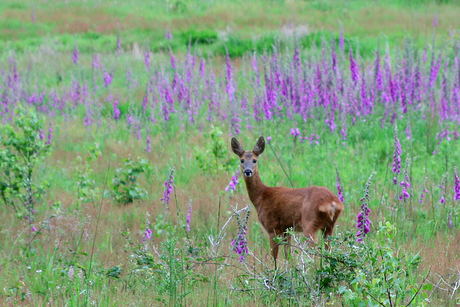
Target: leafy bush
{"x": 86, "y": 187}
{"x": 384, "y": 278}
{"x": 212, "y": 158}
{"x": 195, "y": 36}
{"x": 125, "y": 187}
{"x": 24, "y": 148}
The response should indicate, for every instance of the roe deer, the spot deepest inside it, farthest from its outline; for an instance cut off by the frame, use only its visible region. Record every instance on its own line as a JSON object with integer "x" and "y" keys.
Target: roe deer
{"x": 306, "y": 210}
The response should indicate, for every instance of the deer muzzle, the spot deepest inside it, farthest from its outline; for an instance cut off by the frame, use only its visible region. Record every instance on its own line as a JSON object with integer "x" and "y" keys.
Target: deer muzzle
{"x": 248, "y": 173}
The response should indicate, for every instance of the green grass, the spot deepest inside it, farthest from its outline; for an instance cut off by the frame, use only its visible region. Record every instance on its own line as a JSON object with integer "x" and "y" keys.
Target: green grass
{"x": 216, "y": 26}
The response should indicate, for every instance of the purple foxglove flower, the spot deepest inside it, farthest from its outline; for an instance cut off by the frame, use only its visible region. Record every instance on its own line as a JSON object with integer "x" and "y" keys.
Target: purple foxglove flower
{"x": 269, "y": 138}
{"x": 147, "y": 60}
{"x": 339, "y": 187}
{"x": 116, "y": 110}
{"x": 168, "y": 35}
{"x": 435, "y": 21}
{"x": 456, "y": 185}
{"x": 362, "y": 219}
{"x": 240, "y": 244}
{"x": 189, "y": 215}
{"x": 202, "y": 68}
{"x": 75, "y": 55}
{"x": 96, "y": 61}
{"x": 235, "y": 124}
{"x": 118, "y": 44}
{"x": 233, "y": 183}
{"x": 173, "y": 60}
{"x": 405, "y": 183}
{"x": 353, "y": 69}
{"x": 145, "y": 102}
{"x": 169, "y": 185}
{"x": 313, "y": 138}
{"x": 343, "y": 132}
{"x": 341, "y": 40}
{"x": 147, "y": 234}
{"x": 50, "y": 135}
{"x": 408, "y": 131}
{"x": 442, "y": 187}
{"x": 296, "y": 61}
{"x": 148, "y": 148}
{"x": 396, "y": 156}
{"x": 108, "y": 78}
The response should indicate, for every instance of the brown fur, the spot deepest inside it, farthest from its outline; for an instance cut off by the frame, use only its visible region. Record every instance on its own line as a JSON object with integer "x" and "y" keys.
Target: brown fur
{"x": 306, "y": 210}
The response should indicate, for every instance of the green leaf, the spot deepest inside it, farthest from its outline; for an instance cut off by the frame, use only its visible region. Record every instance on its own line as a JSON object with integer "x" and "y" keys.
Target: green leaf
{"x": 342, "y": 289}
{"x": 427, "y": 287}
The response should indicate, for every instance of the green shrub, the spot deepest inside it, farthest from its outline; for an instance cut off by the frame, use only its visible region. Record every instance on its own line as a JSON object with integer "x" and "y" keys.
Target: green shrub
{"x": 25, "y": 147}
{"x": 194, "y": 36}
{"x": 125, "y": 187}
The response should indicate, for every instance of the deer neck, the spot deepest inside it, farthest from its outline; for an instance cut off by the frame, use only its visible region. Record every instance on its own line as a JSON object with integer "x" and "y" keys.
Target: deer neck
{"x": 255, "y": 188}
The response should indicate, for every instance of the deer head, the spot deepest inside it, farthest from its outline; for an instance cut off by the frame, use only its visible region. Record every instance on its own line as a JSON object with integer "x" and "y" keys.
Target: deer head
{"x": 248, "y": 158}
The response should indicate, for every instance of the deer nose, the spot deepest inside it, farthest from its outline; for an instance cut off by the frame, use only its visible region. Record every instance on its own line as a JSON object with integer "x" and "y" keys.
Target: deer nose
{"x": 248, "y": 173}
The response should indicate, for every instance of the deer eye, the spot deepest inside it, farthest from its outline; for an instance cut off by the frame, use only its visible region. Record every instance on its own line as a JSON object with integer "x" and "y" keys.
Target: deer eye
{"x": 242, "y": 160}
{"x": 254, "y": 161}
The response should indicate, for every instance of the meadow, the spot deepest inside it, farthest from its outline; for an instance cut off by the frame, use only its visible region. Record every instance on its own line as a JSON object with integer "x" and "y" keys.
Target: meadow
{"x": 119, "y": 187}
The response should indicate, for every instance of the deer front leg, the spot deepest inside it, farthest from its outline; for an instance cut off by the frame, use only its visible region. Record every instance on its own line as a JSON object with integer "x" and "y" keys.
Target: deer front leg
{"x": 310, "y": 231}
{"x": 274, "y": 246}
{"x": 287, "y": 246}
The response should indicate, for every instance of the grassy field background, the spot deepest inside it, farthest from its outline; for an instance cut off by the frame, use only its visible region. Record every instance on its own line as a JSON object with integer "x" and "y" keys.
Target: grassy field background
{"x": 88, "y": 249}
{"x": 210, "y": 25}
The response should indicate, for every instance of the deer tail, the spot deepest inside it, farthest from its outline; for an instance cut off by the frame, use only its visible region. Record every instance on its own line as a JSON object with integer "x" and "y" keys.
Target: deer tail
{"x": 330, "y": 210}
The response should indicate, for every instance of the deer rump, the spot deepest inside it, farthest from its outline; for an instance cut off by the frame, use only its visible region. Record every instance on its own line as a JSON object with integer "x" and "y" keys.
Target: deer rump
{"x": 305, "y": 210}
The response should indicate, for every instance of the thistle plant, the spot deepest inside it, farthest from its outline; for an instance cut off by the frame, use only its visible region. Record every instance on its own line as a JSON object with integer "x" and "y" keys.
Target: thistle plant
{"x": 362, "y": 218}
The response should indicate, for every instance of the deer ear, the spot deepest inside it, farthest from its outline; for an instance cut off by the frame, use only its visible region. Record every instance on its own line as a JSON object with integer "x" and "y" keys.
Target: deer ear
{"x": 260, "y": 146}
{"x": 237, "y": 148}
